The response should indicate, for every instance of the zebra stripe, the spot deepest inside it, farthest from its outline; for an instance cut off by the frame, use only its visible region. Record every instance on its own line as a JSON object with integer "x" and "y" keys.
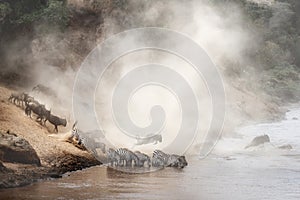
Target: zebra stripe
{"x": 159, "y": 158}
{"x": 127, "y": 156}
{"x": 113, "y": 157}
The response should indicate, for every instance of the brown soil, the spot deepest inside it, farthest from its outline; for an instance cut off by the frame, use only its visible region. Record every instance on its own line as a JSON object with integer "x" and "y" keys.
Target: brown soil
{"x": 56, "y": 157}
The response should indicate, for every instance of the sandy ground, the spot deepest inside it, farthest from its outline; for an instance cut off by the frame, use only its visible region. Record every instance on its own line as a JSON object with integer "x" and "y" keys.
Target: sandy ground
{"x": 56, "y": 157}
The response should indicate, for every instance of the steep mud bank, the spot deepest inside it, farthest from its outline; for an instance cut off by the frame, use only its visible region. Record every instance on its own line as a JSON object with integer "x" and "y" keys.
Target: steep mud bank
{"x": 56, "y": 157}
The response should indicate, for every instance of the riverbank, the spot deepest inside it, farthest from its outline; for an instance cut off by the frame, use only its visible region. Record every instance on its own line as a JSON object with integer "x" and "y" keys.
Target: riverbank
{"x": 56, "y": 157}
{"x": 261, "y": 172}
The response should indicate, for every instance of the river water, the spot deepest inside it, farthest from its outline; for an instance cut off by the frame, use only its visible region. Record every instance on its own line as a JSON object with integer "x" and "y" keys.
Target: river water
{"x": 230, "y": 172}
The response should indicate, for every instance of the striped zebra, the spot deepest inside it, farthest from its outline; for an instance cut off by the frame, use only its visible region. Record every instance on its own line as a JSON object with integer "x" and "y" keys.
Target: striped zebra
{"x": 127, "y": 156}
{"x": 161, "y": 159}
{"x": 113, "y": 157}
{"x": 142, "y": 159}
{"x": 80, "y": 141}
{"x": 75, "y": 135}
{"x": 84, "y": 141}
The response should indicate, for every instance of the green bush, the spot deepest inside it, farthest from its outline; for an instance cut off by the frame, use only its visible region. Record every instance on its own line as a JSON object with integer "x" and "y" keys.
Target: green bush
{"x": 4, "y": 10}
{"x": 26, "y": 12}
{"x": 282, "y": 81}
{"x": 55, "y": 13}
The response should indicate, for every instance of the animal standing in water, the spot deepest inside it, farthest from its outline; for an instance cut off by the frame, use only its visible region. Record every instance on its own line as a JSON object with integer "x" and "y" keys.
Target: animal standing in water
{"x": 113, "y": 157}
{"x": 143, "y": 158}
{"x": 258, "y": 141}
{"x": 126, "y": 157}
{"x": 161, "y": 159}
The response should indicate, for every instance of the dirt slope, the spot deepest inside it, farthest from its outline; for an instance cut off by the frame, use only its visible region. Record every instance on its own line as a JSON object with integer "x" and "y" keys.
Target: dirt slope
{"x": 56, "y": 156}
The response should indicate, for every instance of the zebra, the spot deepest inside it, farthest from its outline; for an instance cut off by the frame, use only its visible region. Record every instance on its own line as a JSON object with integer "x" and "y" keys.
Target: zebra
{"x": 16, "y": 98}
{"x": 84, "y": 141}
{"x": 13, "y": 97}
{"x": 161, "y": 159}
{"x": 23, "y": 99}
{"x": 77, "y": 138}
{"x": 142, "y": 158}
{"x": 75, "y": 133}
{"x": 20, "y": 99}
{"x": 113, "y": 157}
{"x": 127, "y": 156}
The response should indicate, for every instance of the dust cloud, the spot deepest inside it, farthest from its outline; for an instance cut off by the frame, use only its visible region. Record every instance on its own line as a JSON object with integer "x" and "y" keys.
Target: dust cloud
{"x": 218, "y": 28}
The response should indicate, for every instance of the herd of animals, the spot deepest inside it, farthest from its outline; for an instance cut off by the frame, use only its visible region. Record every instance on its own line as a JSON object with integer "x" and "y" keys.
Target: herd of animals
{"x": 262, "y": 139}
{"x": 121, "y": 157}
{"x": 31, "y": 105}
{"x": 125, "y": 157}
{"x": 115, "y": 157}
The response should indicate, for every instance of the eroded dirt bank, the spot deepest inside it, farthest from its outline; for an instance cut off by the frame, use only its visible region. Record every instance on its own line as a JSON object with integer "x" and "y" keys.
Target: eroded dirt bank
{"x": 56, "y": 157}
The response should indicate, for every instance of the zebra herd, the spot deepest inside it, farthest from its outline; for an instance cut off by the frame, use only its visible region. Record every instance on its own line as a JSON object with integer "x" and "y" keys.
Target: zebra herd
{"x": 124, "y": 157}
{"x": 30, "y": 105}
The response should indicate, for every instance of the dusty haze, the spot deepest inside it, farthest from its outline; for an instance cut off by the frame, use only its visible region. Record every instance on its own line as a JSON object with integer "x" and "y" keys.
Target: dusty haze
{"x": 54, "y": 58}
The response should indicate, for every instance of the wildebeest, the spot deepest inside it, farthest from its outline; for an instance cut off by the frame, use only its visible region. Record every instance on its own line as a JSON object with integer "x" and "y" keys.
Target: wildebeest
{"x": 56, "y": 121}
{"x": 37, "y": 108}
{"x": 177, "y": 161}
{"x": 44, "y": 89}
{"x": 70, "y": 136}
{"x": 286, "y": 146}
{"x": 27, "y": 99}
{"x": 258, "y": 140}
{"x": 153, "y": 139}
